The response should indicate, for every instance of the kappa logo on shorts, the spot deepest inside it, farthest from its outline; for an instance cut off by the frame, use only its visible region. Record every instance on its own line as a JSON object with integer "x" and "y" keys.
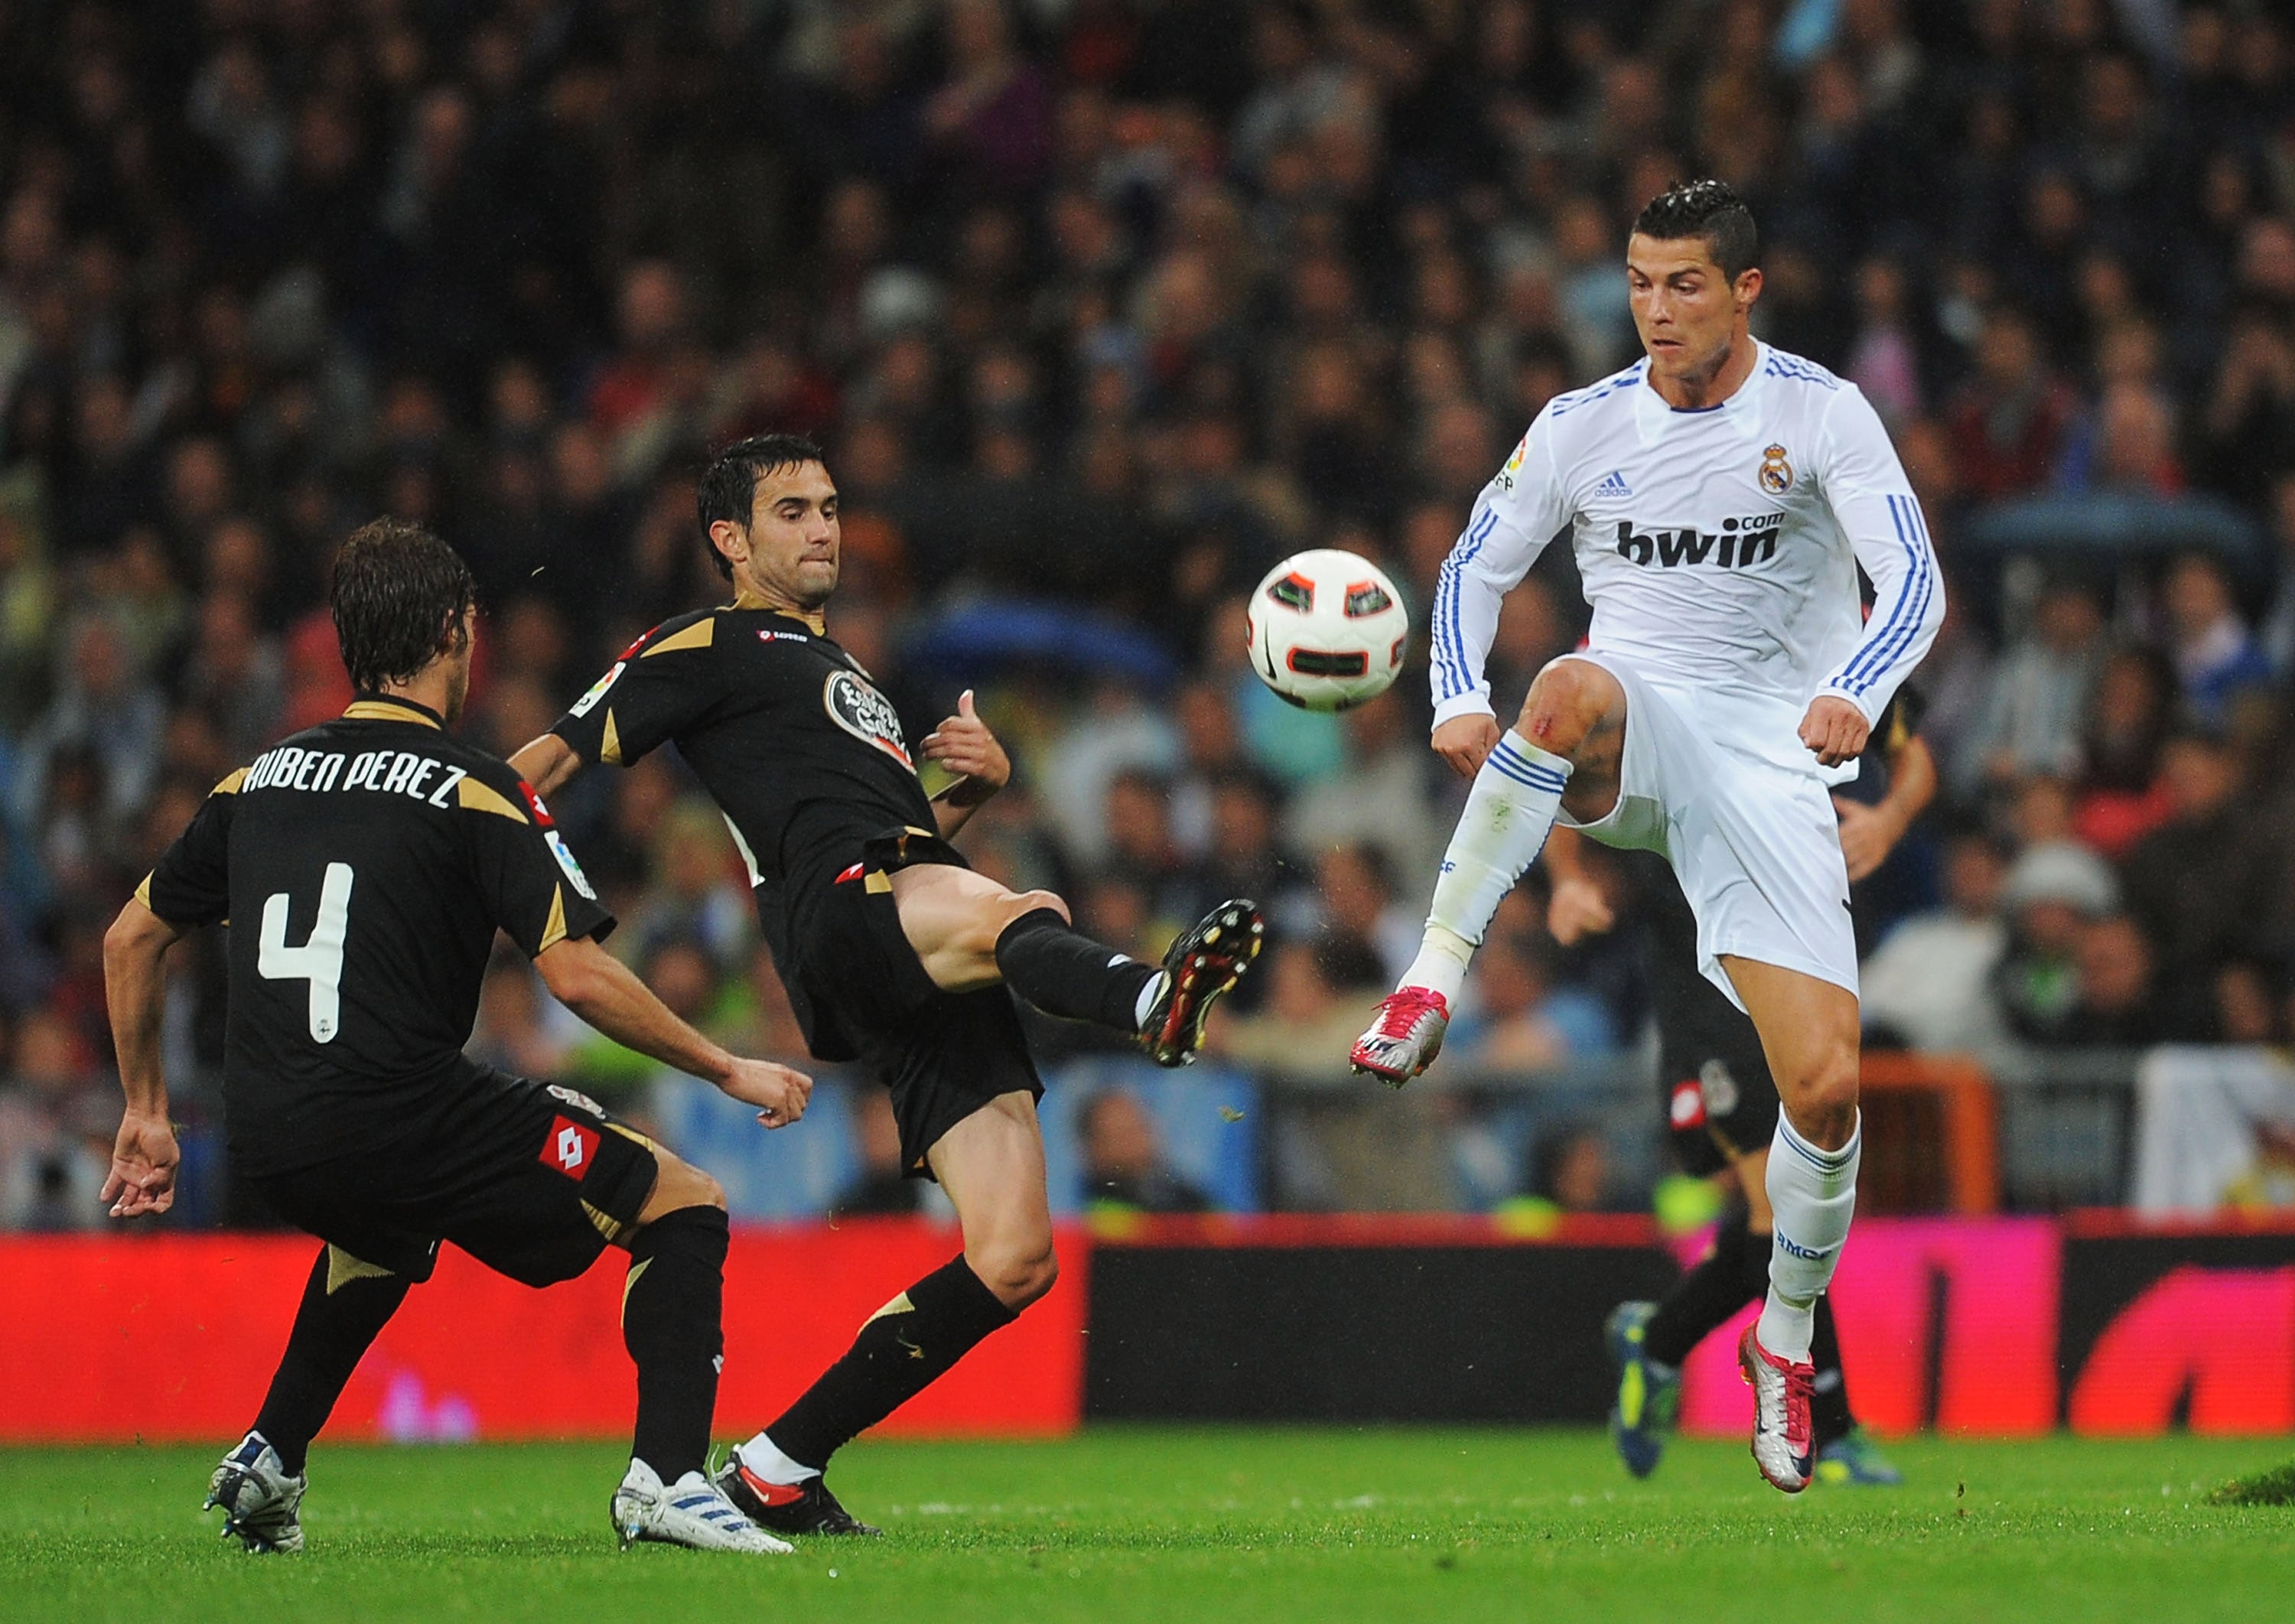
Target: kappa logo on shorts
{"x": 570, "y": 1147}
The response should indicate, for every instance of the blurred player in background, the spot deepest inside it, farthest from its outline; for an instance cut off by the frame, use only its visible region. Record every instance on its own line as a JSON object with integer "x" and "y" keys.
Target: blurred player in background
{"x": 1720, "y": 1107}
{"x": 892, "y": 950}
{"x": 369, "y": 862}
{"x": 1721, "y": 495}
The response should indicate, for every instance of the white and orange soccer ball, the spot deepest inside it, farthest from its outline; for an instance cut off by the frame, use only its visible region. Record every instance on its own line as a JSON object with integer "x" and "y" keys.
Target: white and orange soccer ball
{"x": 1328, "y": 631}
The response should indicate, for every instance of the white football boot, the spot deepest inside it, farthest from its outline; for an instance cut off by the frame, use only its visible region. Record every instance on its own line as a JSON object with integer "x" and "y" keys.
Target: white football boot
{"x": 1784, "y": 1440}
{"x": 259, "y": 1499}
{"x": 691, "y": 1511}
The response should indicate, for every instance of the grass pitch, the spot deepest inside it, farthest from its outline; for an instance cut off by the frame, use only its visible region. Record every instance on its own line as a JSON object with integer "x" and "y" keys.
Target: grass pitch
{"x": 1241, "y": 1525}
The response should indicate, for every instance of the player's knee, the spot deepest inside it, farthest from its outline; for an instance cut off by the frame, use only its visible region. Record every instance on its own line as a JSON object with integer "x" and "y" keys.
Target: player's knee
{"x": 1564, "y": 703}
{"x": 1015, "y": 905}
{"x": 1824, "y": 1100}
{"x": 1017, "y": 1272}
{"x": 678, "y": 1183}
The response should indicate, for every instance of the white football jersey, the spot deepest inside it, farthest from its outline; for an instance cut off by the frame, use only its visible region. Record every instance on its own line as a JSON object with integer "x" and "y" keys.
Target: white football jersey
{"x": 1719, "y": 548}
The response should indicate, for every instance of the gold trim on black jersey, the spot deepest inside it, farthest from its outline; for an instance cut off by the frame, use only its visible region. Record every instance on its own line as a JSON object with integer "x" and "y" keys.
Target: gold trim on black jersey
{"x": 477, "y": 796}
{"x": 701, "y": 634}
{"x": 391, "y": 707}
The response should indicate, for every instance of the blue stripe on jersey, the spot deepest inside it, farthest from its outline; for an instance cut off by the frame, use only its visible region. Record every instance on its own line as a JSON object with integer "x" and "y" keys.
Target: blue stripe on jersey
{"x": 1925, "y": 555}
{"x": 1864, "y": 656}
{"x": 1905, "y": 617}
{"x": 1874, "y": 659}
{"x": 1448, "y": 645}
{"x": 1920, "y": 524}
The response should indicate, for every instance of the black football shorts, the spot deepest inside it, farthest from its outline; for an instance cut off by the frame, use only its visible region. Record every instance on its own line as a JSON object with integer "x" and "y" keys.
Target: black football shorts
{"x": 944, "y": 1055}
{"x": 531, "y": 1178}
{"x": 1718, "y": 1097}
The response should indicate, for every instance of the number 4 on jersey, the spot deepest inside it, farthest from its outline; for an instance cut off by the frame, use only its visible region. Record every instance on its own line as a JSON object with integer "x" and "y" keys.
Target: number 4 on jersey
{"x": 320, "y": 959}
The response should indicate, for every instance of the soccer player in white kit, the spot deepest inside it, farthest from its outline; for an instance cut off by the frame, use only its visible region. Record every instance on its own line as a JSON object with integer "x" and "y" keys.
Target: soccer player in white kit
{"x": 1720, "y": 495}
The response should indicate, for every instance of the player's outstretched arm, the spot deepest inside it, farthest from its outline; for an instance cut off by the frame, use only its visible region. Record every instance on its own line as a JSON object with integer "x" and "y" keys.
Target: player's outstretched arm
{"x": 964, "y": 746}
{"x": 546, "y": 763}
{"x": 1868, "y": 834}
{"x": 144, "y": 1157}
{"x": 607, "y": 993}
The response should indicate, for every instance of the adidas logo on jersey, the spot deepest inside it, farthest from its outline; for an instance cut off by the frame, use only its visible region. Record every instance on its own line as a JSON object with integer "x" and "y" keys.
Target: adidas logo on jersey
{"x": 1614, "y": 486}
{"x": 1742, "y": 543}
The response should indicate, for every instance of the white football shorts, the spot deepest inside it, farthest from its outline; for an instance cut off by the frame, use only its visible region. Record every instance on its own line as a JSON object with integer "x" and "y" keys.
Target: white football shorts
{"x": 1756, "y": 845}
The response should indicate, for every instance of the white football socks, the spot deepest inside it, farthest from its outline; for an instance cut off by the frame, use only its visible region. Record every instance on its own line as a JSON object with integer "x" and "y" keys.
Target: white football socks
{"x": 1509, "y": 812}
{"x": 1813, "y": 1194}
{"x": 762, "y": 1457}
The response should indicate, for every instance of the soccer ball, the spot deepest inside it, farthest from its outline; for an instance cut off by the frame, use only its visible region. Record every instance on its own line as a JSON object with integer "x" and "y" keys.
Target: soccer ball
{"x": 1327, "y": 630}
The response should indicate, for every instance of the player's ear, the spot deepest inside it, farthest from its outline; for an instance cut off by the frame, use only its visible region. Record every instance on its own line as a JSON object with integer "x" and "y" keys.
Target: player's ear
{"x": 1748, "y": 287}
{"x": 730, "y": 539}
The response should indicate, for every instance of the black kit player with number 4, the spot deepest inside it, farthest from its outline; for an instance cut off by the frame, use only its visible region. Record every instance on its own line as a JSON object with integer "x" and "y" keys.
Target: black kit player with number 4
{"x": 364, "y": 866}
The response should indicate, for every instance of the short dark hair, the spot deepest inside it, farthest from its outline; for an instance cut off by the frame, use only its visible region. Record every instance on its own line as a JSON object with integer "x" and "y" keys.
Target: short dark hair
{"x": 1710, "y": 209}
{"x": 728, "y": 488}
{"x": 398, "y": 594}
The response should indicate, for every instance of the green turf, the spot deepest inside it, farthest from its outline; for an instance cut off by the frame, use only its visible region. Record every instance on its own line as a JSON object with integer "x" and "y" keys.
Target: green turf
{"x": 1195, "y": 1525}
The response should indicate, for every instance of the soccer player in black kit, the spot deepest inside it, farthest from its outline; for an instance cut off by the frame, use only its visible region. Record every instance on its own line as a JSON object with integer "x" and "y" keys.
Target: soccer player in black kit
{"x": 1721, "y": 1104}
{"x": 893, "y": 950}
{"x": 366, "y": 865}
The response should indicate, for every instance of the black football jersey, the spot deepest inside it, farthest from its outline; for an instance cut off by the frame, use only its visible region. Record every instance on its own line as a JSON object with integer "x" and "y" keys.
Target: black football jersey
{"x": 364, "y": 866}
{"x": 792, "y": 739}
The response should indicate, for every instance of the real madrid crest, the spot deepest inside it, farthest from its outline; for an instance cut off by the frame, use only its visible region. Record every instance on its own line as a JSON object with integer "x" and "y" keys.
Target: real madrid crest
{"x": 1777, "y": 473}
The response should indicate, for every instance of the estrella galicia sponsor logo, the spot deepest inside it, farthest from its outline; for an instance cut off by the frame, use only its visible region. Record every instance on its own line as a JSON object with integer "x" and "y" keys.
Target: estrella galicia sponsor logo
{"x": 1794, "y": 1249}
{"x": 865, "y": 714}
{"x": 1742, "y": 543}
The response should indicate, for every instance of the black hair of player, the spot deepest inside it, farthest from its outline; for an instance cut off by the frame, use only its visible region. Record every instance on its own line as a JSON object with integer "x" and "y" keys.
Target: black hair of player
{"x": 1710, "y": 209}
{"x": 399, "y": 596}
{"x": 728, "y": 486}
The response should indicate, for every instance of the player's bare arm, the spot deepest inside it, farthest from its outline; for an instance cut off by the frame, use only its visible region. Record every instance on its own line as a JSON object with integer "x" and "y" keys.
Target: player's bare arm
{"x": 608, "y": 994}
{"x": 548, "y": 763}
{"x": 1869, "y": 833}
{"x": 964, "y": 745}
{"x": 144, "y": 1155}
{"x": 1579, "y": 907}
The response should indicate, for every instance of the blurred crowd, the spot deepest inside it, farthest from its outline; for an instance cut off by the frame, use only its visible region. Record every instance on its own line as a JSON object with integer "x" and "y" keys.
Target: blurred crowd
{"x": 1101, "y": 308}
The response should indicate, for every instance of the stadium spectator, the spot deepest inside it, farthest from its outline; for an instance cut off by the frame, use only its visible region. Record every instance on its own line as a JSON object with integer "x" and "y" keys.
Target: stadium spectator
{"x": 1123, "y": 1165}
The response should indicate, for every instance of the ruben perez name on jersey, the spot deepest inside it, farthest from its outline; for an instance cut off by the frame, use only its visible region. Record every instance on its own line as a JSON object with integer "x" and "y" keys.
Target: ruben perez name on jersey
{"x": 1718, "y": 547}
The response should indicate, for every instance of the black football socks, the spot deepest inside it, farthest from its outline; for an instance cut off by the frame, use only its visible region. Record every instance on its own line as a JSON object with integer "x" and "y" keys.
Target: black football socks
{"x": 905, "y": 1346}
{"x": 346, "y": 1304}
{"x": 672, "y": 1325}
{"x": 1730, "y": 1274}
{"x": 1064, "y": 973}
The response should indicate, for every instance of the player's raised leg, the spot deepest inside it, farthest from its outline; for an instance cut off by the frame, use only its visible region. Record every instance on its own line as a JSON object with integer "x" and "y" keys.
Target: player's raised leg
{"x": 1563, "y": 752}
{"x": 1809, "y": 1030}
{"x": 992, "y": 1165}
{"x": 970, "y": 932}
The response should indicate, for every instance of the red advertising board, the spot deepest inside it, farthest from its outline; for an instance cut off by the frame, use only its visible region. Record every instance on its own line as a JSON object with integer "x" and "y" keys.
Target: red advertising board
{"x": 175, "y": 1337}
{"x": 1999, "y": 1327}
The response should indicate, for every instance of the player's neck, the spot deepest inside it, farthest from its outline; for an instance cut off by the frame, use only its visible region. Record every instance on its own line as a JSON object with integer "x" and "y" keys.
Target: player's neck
{"x": 748, "y": 595}
{"x": 429, "y": 689}
{"x": 1706, "y": 389}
